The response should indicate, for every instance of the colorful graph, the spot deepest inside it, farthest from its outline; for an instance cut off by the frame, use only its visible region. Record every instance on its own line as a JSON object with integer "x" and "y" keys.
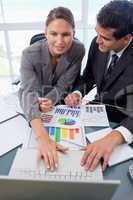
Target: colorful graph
{"x": 62, "y": 134}
{"x": 66, "y": 121}
{"x": 63, "y": 117}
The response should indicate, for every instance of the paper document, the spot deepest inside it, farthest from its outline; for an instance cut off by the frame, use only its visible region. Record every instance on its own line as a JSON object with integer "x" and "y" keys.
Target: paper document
{"x": 94, "y": 115}
{"x": 85, "y": 115}
{"x": 13, "y": 133}
{"x": 121, "y": 153}
{"x": 9, "y": 106}
{"x": 71, "y": 138}
{"x": 63, "y": 126}
{"x": 63, "y": 116}
{"x": 13, "y": 102}
{"x": 6, "y": 112}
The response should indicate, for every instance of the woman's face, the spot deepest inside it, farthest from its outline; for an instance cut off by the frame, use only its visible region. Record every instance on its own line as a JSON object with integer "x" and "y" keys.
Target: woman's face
{"x": 59, "y": 34}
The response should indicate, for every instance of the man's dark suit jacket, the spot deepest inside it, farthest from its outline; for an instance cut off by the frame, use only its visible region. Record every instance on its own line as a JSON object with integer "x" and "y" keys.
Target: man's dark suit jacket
{"x": 118, "y": 90}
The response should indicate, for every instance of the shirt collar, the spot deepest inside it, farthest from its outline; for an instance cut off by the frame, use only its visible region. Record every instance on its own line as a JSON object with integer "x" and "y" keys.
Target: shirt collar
{"x": 121, "y": 51}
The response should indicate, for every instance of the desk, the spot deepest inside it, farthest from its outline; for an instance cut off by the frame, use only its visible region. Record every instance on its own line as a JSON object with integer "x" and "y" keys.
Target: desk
{"x": 119, "y": 172}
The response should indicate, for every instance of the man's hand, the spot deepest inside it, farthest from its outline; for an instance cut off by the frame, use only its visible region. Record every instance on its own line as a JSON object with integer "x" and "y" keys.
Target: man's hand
{"x": 72, "y": 99}
{"x": 45, "y": 104}
{"x": 101, "y": 149}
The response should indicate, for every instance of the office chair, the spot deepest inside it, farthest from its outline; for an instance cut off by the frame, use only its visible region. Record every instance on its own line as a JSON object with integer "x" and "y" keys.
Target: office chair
{"x": 37, "y": 37}
{"x": 34, "y": 39}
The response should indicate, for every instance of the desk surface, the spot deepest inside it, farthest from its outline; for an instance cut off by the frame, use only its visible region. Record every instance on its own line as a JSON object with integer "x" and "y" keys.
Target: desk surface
{"x": 118, "y": 172}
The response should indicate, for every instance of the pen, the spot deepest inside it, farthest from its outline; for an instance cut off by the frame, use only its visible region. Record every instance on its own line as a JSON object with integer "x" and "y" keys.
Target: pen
{"x": 76, "y": 144}
{"x": 88, "y": 142}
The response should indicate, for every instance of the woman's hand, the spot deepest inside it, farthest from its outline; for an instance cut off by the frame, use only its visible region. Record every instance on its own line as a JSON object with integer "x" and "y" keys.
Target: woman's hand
{"x": 48, "y": 152}
{"x": 45, "y": 104}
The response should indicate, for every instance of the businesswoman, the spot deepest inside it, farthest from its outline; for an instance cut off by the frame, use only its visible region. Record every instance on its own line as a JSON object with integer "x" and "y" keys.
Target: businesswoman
{"x": 49, "y": 69}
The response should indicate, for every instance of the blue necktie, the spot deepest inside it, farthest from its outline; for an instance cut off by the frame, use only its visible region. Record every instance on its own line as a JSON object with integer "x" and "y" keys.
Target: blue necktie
{"x": 111, "y": 67}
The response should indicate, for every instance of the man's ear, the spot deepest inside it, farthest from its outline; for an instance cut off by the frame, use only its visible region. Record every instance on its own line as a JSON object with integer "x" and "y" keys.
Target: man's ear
{"x": 127, "y": 38}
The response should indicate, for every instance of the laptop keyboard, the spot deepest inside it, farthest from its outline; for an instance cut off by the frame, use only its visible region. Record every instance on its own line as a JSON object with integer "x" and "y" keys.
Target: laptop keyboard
{"x": 64, "y": 176}
{"x": 25, "y": 166}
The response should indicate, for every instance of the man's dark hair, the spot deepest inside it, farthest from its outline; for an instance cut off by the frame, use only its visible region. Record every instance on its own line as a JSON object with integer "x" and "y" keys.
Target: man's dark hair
{"x": 117, "y": 14}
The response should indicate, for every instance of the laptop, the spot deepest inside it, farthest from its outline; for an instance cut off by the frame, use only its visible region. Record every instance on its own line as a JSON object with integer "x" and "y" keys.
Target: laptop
{"x": 70, "y": 182}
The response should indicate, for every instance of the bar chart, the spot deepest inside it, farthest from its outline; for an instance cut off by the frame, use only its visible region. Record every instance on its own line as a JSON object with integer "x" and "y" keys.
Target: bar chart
{"x": 62, "y": 134}
{"x": 63, "y": 117}
{"x": 71, "y": 138}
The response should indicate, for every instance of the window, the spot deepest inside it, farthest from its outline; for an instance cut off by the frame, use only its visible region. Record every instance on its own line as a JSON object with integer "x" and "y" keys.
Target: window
{"x": 35, "y": 10}
{"x": 4, "y": 64}
{"x": 20, "y": 20}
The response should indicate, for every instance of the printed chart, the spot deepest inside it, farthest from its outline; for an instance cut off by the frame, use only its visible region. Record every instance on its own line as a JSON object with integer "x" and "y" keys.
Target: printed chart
{"x": 94, "y": 115}
{"x": 65, "y": 124}
{"x": 63, "y": 116}
{"x": 71, "y": 138}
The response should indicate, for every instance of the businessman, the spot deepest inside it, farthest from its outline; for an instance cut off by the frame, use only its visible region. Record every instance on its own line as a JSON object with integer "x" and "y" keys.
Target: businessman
{"x": 110, "y": 68}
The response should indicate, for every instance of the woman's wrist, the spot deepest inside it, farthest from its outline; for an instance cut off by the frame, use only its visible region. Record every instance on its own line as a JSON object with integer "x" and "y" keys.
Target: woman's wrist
{"x": 39, "y": 129}
{"x": 41, "y": 135}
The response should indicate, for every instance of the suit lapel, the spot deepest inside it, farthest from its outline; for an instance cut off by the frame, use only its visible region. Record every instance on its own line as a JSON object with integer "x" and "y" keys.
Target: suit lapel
{"x": 46, "y": 61}
{"x": 45, "y": 57}
{"x": 101, "y": 68}
{"x": 61, "y": 66}
{"x": 121, "y": 65}
{"x": 46, "y": 64}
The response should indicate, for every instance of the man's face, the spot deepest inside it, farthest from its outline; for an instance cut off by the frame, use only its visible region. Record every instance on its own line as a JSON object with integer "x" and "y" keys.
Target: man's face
{"x": 106, "y": 41}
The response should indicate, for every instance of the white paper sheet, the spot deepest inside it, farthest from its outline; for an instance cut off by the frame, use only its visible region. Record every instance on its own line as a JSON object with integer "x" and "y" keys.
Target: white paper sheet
{"x": 77, "y": 142}
{"x": 9, "y": 106}
{"x": 121, "y": 153}
{"x": 67, "y": 117}
{"x": 13, "y": 133}
{"x": 63, "y": 116}
{"x": 94, "y": 115}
